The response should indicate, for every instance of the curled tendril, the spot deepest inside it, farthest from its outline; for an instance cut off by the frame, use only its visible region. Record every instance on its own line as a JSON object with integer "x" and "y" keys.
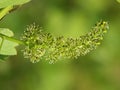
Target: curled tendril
{"x": 41, "y": 45}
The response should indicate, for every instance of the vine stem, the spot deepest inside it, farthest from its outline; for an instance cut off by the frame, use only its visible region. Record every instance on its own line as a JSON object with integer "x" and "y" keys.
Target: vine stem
{"x": 12, "y": 39}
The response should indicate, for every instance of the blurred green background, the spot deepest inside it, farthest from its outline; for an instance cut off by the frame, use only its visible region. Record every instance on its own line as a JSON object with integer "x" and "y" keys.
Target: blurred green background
{"x": 99, "y": 70}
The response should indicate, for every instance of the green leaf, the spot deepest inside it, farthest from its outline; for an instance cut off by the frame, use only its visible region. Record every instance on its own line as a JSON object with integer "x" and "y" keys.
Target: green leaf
{"x": 7, "y": 43}
{"x": 3, "y": 57}
{"x": 8, "y": 48}
{"x": 5, "y": 11}
{"x": 118, "y": 1}
{"x": 6, "y": 32}
{"x": 7, "y": 6}
{"x": 5, "y": 3}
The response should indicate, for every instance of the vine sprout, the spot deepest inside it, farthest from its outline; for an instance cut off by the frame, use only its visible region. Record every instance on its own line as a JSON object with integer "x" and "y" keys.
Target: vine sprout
{"x": 41, "y": 45}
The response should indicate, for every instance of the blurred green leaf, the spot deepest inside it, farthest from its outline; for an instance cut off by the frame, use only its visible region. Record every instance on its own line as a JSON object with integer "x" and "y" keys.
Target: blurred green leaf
{"x": 5, "y": 11}
{"x": 7, "y": 6}
{"x": 6, "y": 32}
{"x": 8, "y": 47}
{"x": 5, "y": 3}
{"x": 3, "y": 57}
{"x": 7, "y": 44}
{"x": 118, "y": 1}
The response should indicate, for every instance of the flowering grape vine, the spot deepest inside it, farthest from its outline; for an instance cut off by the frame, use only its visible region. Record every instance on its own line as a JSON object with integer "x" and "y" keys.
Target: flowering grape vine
{"x": 41, "y": 45}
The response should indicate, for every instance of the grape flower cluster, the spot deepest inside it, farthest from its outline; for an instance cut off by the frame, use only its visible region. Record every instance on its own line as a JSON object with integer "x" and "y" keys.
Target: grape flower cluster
{"x": 41, "y": 45}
